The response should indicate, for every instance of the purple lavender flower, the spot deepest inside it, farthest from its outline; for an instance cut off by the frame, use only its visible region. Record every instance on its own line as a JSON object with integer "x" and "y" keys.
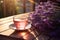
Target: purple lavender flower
{"x": 42, "y": 17}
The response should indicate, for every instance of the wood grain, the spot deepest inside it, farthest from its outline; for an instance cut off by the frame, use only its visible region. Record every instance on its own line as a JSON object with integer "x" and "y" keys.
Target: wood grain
{"x": 5, "y": 22}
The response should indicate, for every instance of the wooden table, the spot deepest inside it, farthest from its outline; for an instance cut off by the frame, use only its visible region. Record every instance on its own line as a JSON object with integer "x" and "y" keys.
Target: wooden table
{"x": 30, "y": 34}
{"x": 5, "y": 22}
{"x": 25, "y": 34}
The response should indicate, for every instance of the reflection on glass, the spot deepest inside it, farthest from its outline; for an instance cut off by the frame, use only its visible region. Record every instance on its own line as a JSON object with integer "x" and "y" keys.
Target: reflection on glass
{"x": 28, "y": 9}
{"x": 20, "y": 10}
{"x": 28, "y": 3}
{"x": 29, "y": 6}
{"x": 24, "y": 6}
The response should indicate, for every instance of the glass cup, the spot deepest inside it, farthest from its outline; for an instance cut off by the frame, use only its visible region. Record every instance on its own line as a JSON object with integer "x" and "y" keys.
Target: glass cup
{"x": 20, "y": 22}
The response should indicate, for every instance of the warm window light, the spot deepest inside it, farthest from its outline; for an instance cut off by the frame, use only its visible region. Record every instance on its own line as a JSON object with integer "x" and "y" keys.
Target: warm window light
{"x": 1, "y": 1}
{"x": 23, "y": 33}
{"x": 31, "y": 1}
{"x": 25, "y": 37}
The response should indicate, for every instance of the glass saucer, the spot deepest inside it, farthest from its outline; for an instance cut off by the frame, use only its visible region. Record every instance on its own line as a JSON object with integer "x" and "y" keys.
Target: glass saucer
{"x": 12, "y": 26}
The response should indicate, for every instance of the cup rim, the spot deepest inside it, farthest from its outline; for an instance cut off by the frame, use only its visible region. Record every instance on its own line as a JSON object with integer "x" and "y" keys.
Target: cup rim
{"x": 20, "y": 19}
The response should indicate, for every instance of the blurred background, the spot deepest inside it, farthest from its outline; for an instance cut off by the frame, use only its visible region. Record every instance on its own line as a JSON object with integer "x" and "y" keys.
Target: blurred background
{"x": 13, "y": 7}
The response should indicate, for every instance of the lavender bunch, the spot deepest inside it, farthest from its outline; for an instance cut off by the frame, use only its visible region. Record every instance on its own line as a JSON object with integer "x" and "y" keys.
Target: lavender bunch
{"x": 43, "y": 16}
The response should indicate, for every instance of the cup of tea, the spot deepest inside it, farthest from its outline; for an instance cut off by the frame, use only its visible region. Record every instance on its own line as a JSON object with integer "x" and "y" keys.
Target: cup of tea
{"x": 20, "y": 22}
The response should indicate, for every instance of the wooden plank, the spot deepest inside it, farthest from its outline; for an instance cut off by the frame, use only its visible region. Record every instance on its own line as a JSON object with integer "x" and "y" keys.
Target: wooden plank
{"x": 5, "y": 26}
{"x": 8, "y": 32}
{"x": 5, "y": 22}
{"x": 11, "y": 17}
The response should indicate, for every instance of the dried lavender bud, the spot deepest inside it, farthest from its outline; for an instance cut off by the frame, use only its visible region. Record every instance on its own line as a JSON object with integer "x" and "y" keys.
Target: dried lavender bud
{"x": 42, "y": 17}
